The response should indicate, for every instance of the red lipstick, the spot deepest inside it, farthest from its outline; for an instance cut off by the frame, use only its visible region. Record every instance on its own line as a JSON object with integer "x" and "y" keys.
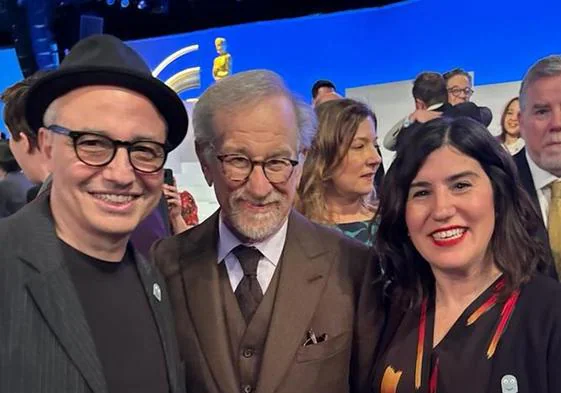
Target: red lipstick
{"x": 451, "y": 241}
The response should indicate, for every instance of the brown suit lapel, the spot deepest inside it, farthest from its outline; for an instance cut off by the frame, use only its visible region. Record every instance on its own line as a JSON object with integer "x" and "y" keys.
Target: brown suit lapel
{"x": 304, "y": 272}
{"x": 202, "y": 291}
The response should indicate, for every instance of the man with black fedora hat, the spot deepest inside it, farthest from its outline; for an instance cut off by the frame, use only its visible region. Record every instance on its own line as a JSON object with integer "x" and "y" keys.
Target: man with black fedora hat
{"x": 81, "y": 310}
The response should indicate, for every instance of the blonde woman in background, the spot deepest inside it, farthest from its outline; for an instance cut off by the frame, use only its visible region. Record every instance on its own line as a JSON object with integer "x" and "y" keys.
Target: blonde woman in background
{"x": 337, "y": 186}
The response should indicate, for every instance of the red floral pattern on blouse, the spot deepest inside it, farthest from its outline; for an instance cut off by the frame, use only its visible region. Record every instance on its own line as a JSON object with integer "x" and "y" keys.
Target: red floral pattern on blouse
{"x": 189, "y": 209}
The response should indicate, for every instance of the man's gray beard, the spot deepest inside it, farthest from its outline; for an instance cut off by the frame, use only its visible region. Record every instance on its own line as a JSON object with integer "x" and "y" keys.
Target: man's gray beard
{"x": 260, "y": 226}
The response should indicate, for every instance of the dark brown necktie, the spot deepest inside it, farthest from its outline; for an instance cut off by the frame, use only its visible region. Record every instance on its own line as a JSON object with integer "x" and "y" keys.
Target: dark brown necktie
{"x": 248, "y": 292}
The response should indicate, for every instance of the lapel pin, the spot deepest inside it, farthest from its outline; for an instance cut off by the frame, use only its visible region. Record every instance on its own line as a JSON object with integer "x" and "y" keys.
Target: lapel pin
{"x": 509, "y": 384}
{"x": 157, "y": 292}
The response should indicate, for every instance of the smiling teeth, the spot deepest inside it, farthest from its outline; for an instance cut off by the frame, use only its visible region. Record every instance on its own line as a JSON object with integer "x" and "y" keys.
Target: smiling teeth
{"x": 114, "y": 198}
{"x": 446, "y": 235}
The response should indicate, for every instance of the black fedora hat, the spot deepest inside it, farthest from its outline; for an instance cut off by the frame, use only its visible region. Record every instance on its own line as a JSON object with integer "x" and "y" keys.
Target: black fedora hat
{"x": 106, "y": 60}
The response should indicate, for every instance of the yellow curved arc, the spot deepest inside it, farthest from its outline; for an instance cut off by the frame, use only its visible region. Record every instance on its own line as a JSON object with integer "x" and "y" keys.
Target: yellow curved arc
{"x": 189, "y": 78}
{"x": 174, "y": 56}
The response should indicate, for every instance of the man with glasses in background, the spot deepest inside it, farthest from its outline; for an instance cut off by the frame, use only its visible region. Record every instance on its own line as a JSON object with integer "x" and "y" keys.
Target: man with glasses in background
{"x": 432, "y": 94}
{"x": 81, "y": 310}
{"x": 459, "y": 85}
{"x": 265, "y": 300}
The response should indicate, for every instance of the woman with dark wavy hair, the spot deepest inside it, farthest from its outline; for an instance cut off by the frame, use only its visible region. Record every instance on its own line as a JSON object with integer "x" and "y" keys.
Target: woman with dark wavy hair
{"x": 468, "y": 309}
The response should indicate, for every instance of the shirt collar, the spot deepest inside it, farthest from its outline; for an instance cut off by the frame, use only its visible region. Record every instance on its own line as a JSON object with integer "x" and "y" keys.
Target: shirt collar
{"x": 271, "y": 248}
{"x": 435, "y": 106}
{"x": 515, "y": 147}
{"x": 542, "y": 178}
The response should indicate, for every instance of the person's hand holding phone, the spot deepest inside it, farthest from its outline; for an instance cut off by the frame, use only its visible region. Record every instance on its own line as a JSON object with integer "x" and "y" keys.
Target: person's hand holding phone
{"x": 174, "y": 202}
{"x": 173, "y": 199}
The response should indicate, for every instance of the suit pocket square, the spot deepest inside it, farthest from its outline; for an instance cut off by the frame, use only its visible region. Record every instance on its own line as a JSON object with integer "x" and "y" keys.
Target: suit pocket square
{"x": 323, "y": 349}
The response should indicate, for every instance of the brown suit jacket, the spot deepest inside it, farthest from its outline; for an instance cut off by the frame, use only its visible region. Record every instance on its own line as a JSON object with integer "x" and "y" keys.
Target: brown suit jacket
{"x": 326, "y": 284}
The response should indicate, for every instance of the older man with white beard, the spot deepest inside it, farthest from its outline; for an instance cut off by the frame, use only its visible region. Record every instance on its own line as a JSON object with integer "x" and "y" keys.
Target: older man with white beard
{"x": 265, "y": 300}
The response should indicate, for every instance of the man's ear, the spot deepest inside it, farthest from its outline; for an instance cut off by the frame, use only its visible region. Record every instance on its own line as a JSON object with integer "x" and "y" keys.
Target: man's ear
{"x": 203, "y": 160}
{"x": 45, "y": 141}
{"x": 42, "y": 136}
{"x": 24, "y": 140}
{"x": 420, "y": 104}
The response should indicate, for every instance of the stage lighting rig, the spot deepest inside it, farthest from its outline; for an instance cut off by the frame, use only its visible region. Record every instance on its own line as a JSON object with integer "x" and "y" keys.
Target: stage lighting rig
{"x": 149, "y": 6}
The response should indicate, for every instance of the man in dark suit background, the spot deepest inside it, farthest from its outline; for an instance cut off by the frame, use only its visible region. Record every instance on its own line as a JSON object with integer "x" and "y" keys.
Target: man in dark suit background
{"x": 81, "y": 310}
{"x": 265, "y": 300}
{"x": 24, "y": 141}
{"x": 539, "y": 163}
{"x": 13, "y": 183}
{"x": 431, "y": 101}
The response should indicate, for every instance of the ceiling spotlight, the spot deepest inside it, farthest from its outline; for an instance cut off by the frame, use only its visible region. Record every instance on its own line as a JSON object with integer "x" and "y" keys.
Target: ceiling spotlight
{"x": 125, "y": 3}
{"x": 110, "y": 2}
{"x": 142, "y": 4}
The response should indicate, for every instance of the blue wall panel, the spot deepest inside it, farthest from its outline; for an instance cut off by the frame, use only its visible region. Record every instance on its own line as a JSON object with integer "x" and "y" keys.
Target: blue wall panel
{"x": 497, "y": 39}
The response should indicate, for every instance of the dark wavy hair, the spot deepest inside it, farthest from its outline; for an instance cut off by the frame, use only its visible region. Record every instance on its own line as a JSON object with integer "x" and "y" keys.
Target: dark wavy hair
{"x": 515, "y": 251}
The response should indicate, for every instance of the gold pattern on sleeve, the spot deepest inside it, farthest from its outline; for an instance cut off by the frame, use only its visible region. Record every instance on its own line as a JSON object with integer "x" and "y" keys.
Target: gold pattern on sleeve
{"x": 390, "y": 380}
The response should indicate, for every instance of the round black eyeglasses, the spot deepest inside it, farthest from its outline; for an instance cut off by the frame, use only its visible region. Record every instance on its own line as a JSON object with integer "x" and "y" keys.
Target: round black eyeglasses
{"x": 99, "y": 150}
{"x": 457, "y": 91}
{"x": 238, "y": 168}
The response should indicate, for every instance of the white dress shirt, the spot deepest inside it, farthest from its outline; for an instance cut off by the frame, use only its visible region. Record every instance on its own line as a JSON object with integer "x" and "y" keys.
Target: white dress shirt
{"x": 542, "y": 180}
{"x": 271, "y": 249}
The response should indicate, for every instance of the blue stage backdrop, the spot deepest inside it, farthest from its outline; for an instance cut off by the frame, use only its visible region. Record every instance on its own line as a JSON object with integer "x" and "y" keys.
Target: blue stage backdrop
{"x": 496, "y": 39}
{"x": 10, "y": 74}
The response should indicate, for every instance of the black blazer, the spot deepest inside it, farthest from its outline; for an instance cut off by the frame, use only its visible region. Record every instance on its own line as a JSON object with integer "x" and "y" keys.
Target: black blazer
{"x": 401, "y": 139}
{"x": 45, "y": 341}
{"x": 526, "y": 178}
{"x": 13, "y": 191}
{"x": 527, "y": 182}
{"x": 465, "y": 109}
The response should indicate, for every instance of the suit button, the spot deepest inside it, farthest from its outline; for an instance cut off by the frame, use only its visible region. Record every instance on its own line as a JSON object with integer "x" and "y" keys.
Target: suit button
{"x": 248, "y": 352}
{"x": 247, "y": 389}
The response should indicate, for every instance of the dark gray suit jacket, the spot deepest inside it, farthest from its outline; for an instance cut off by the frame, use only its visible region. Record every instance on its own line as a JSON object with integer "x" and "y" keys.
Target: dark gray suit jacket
{"x": 13, "y": 191}
{"x": 45, "y": 342}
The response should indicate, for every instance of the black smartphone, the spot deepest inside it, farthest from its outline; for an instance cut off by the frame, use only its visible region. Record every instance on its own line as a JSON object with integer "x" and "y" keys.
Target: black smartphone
{"x": 168, "y": 177}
